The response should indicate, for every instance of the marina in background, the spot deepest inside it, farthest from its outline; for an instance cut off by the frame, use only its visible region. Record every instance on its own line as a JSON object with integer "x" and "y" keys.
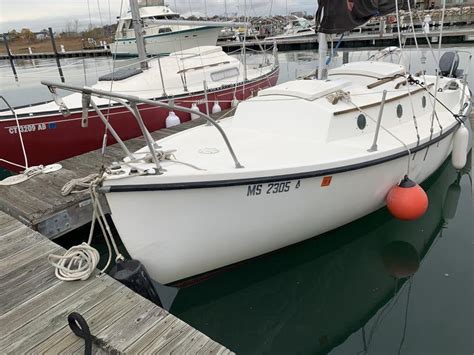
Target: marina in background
{"x": 294, "y": 31}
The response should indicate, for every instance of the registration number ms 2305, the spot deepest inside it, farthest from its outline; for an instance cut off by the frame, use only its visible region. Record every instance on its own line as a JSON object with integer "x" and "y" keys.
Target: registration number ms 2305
{"x": 272, "y": 188}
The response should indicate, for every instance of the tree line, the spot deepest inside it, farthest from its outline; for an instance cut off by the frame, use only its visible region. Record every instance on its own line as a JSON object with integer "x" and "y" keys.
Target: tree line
{"x": 71, "y": 30}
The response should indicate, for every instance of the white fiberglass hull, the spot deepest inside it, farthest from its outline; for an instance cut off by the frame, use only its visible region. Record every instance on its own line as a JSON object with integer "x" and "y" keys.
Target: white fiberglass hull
{"x": 178, "y": 233}
{"x": 292, "y": 36}
{"x": 170, "y": 42}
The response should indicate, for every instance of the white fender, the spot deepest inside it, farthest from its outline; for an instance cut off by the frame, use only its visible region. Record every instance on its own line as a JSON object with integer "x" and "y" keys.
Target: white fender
{"x": 194, "y": 107}
{"x": 460, "y": 147}
{"x": 234, "y": 102}
{"x": 172, "y": 120}
{"x": 216, "y": 108}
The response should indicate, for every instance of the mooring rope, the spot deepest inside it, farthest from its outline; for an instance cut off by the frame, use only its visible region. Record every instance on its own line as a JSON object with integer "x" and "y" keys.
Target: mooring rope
{"x": 79, "y": 185}
{"x": 80, "y": 261}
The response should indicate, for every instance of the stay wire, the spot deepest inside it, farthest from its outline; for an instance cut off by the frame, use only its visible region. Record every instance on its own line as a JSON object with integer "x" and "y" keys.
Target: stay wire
{"x": 402, "y": 56}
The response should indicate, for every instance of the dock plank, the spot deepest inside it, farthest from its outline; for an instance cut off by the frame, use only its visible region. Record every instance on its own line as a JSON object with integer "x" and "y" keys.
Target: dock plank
{"x": 34, "y": 306}
{"x": 14, "y": 240}
{"x": 154, "y": 335}
{"x": 140, "y": 319}
{"x": 23, "y": 257}
{"x": 33, "y": 333}
{"x": 24, "y": 274}
{"x": 98, "y": 319}
{"x": 193, "y": 343}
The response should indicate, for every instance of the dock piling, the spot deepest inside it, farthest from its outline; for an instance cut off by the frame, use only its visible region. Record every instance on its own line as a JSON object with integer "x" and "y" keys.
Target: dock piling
{"x": 9, "y": 53}
{"x": 56, "y": 54}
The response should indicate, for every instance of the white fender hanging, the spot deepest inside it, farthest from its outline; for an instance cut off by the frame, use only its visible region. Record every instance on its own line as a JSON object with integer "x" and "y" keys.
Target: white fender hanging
{"x": 460, "y": 146}
{"x": 194, "y": 107}
{"x": 216, "y": 108}
{"x": 172, "y": 120}
{"x": 234, "y": 102}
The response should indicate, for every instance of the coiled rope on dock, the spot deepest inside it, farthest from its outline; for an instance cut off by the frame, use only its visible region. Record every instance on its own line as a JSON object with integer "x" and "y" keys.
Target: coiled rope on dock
{"x": 80, "y": 261}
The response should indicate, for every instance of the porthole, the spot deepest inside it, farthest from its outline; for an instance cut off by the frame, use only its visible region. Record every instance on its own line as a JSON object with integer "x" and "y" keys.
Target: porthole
{"x": 361, "y": 121}
{"x": 423, "y": 101}
{"x": 399, "y": 111}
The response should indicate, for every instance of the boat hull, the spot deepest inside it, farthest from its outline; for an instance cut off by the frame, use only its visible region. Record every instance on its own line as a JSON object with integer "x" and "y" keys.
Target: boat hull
{"x": 183, "y": 232}
{"x": 283, "y": 38}
{"x": 51, "y": 137}
{"x": 166, "y": 43}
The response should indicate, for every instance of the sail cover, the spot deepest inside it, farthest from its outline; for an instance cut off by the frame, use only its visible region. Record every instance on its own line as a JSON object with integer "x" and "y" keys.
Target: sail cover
{"x": 337, "y": 16}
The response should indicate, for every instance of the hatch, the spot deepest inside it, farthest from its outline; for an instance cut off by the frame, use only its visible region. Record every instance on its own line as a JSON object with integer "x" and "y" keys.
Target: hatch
{"x": 306, "y": 89}
{"x": 120, "y": 74}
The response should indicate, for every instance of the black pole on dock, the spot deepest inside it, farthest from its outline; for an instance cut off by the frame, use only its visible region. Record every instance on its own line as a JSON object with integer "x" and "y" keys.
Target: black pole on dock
{"x": 56, "y": 54}
{"x": 12, "y": 63}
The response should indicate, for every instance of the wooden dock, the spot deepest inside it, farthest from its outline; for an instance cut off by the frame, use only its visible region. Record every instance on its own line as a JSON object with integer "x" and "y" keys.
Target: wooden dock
{"x": 358, "y": 40}
{"x": 34, "y": 306}
{"x": 67, "y": 54}
{"x": 38, "y": 202}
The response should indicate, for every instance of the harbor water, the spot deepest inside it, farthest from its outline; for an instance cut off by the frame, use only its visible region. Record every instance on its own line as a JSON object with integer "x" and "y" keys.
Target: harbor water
{"x": 374, "y": 286}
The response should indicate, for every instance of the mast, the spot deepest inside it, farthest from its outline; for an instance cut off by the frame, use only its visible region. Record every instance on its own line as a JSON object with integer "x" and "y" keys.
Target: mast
{"x": 322, "y": 50}
{"x": 322, "y": 47}
{"x": 244, "y": 49}
{"x": 137, "y": 27}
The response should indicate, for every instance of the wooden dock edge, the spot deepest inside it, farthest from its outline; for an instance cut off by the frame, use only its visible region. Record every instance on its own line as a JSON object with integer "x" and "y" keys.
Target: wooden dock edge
{"x": 34, "y": 306}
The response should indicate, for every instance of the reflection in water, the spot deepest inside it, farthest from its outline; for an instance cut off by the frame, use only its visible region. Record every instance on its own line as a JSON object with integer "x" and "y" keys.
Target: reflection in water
{"x": 400, "y": 259}
{"x": 310, "y": 297}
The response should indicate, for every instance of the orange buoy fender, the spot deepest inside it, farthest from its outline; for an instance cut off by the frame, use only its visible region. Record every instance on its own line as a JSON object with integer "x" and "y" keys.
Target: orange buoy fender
{"x": 407, "y": 201}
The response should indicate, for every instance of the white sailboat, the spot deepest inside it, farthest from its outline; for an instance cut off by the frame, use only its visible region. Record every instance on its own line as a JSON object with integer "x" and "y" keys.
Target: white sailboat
{"x": 301, "y": 176}
{"x": 299, "y": 159}
{"x": 297, "y": 28}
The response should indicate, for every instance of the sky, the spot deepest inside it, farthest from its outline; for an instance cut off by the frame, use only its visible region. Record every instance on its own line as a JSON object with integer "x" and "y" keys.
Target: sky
{"x": 39, "y": 14}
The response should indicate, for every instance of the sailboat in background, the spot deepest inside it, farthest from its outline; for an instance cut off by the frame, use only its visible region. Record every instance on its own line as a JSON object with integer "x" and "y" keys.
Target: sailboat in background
{"x": 297, "y": 28}
{"x": 200, "y": 78}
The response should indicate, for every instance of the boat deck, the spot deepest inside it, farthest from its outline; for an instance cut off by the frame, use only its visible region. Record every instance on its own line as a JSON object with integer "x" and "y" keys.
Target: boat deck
{"x": 34, "y": 306}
